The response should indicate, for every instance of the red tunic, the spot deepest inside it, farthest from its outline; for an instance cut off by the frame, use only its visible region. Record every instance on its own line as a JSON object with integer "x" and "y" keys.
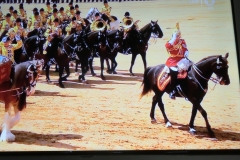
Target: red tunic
{"x": 176, "y": 52}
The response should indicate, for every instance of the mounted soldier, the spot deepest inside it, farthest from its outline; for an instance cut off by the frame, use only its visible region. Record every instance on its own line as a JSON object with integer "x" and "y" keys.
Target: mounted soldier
{"x": 53, "y": 16}
{"x": 6, "y": 24}
{"x": 1, "y": 14}
{"x": 19, "y": 29}
{"x": 15, "y": 16}
{"x": 35, "y": 22}
{"x": 106, "y": 9}
{"x": 71, "y": 28}
{"x": 177, "y": 62}
{"x": 52, "y": 31}
{"x": 78, "y": 17}
{"x": 62, "y": 15}
{"x": 76, "y": 8}
{"x": 98, "y": 24}
{"x": 71, "y": 13}
{"x": 11, "y": 9}
{"x": 43, "y": 17}
{"x": 23, "y": 16}
{"x": 7, "y": 50}
{"x": 69, "y": 7}
{"x": 48, "y": 9}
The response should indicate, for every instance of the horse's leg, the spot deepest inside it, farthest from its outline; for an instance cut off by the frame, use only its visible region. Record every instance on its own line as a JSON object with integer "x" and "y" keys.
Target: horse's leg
{"x": 67, "y": 71}
{"x": 76, "y": 68}
{"x": 152, "y": 113}
{"x": 114, "y": 65}
{"x": 102, "y": 67}
{"x": 91, "y": 66}
{"x": 191, "y": 123}
{"x": 47, "y": 73}
{"x": 132, "y": 63}
{"x": 6, "y": 134}
{"x": 143, "y": 55}
{"x": 204, "y": 114}
{"x": 108, "y": 66}
{"x": 56, "y": 68}
{"x": 60, "y": 76}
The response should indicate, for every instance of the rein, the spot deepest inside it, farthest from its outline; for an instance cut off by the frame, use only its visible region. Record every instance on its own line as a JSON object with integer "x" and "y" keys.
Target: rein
{"x": 198, "y": 71}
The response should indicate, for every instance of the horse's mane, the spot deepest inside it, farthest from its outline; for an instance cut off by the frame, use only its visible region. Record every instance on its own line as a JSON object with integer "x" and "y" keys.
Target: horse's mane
{"x": 144, "y": 28}
{"x": 214, "y": 56}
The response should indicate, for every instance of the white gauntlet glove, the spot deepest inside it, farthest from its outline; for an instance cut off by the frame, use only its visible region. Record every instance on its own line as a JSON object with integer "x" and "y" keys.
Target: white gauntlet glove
{"x": 17, "y": 37}
{"x": 174, "y": 37}
{"x": 186, "y": 54}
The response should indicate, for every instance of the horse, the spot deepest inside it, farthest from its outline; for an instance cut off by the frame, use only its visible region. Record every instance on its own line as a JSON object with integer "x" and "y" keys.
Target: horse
{"x": 14, "y": 93}
{"x": 115, "y": 24}
{"x": 115, "y": 41}
{"x": 194, "y": 87}
{"x": 139, "y": 41}
{"x": 61, "y": 51}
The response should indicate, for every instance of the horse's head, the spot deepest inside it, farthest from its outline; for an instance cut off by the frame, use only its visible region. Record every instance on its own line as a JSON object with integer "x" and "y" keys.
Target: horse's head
{"x": 33, "y": 72}
{"x": 156, "y": 30}
{"x": 220, "y": 68}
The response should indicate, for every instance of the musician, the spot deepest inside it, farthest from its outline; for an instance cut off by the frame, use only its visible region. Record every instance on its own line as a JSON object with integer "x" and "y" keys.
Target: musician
{"x": 127, "y": 17}
{"x": 6, "y": 24}
{"x": 7, "y": 49}
{"x": 32, "y": 17}
{"x": 53, "y": 16}
{"x": 43, "y": 17}
{"x": 48, "y": 8}
{"x": 22, "y": 13}
{"x": 14, "y": 17}
{"x": 78, "y": 17}
{"x": 35, "y": 22}
{"x": 54, "y": 6}
{"x": 19, "y": 29}
{"x": 106, "y": 9}
{"x": 11, "y": 10}
{"x": 76, "y": 8}
{"x": 177, "y": 49}
{"x": 68, "y": 9}
{"x": 51, "y": 31}
{"x": 1, "y": 14}
{"x": 71, "y": 13}
{"x": 62, "y": 15}
{"x": 93, "y": 26}
{"x": 71, "y": 28}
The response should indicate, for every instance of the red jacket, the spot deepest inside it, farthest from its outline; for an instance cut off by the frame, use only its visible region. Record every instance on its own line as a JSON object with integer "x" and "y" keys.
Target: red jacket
{"x": 176, "y": 52}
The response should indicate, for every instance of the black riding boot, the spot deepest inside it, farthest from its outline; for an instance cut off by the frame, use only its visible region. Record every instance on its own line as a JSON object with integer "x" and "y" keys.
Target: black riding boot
{"x": 173, "y": 83}
{"x": 12, "y": 74}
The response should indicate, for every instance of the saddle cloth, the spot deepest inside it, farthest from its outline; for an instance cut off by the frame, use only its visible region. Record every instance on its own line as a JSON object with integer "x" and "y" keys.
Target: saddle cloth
{"x": 164, "y": 78}
{"x": 5, "y": 69}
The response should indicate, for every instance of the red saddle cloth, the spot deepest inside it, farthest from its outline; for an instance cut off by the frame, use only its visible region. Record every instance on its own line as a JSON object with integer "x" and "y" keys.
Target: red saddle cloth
{"x": 5, "y": 69}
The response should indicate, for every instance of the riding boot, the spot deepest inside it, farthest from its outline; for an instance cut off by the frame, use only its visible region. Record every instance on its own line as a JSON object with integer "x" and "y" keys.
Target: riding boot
{"x": 173, "y": 83}
{"x": 12, "y": 74}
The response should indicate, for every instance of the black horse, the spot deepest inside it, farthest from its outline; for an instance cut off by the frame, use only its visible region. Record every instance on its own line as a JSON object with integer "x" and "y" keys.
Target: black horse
{"x": 115, "y": 41}
{"x": 194, "y": 87}
{"x": 138, "y": 41}
{"x": 15, "y": 93}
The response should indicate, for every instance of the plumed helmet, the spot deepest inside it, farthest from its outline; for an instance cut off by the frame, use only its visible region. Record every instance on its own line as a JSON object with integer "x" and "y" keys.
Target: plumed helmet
{"x": 18, "y": 20}
{"x": 177, "y": 30}
{"x": 97, "y": 14}
{"x": 127, "y": 14}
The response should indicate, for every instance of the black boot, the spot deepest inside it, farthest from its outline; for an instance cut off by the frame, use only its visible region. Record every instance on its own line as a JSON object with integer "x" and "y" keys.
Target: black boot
{"x": 173, "y": 83}
{"x": 12, "y": 74}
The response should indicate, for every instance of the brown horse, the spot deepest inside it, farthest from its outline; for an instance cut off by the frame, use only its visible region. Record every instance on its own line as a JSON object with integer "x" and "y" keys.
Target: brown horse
{"x": 193, "y": 87}
{"x": 14, "y": 93}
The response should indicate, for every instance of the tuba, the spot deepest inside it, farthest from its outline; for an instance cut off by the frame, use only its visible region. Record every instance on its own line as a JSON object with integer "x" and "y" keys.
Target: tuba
{"x": 100, "y": 25}
{"x": 128, "y": 23}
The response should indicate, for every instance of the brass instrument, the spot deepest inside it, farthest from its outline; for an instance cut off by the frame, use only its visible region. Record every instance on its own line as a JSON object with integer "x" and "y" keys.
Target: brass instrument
{"x": 128, "y": 23}
{"x": 99, "y": 25}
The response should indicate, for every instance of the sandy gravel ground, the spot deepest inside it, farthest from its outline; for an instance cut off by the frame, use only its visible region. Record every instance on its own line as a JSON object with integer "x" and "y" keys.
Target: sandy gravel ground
{"x": 108, "y": 115}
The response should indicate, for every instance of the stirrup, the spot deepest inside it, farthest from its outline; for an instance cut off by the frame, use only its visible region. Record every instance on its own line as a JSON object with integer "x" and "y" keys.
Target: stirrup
{"x": 172, "y": 95}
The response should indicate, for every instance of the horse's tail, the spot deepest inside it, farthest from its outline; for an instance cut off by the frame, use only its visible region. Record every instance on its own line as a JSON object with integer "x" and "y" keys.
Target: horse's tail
{"x": 146, "y": 84}
{"x": 22, "y": 100}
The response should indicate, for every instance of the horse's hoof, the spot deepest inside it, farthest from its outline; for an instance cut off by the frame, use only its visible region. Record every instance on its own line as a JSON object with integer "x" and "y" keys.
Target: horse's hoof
{"x": 64, "y": 79}
{"x": 131, "y": 74}
{"x": 109, "y": 71}
{"x": 94, "y": 74}
{"x": 7, "y": 136}
{"x": 153, "y": 121}
{"x": 192, "y": 131}
{"x": 48, "y": 81}
{"x": 212, "y": 135}
{"x": 114, "y": 72}
{"x": 168, "y": 124}
{"x": 61, "y": 86}
{"x": 103, "y": 78}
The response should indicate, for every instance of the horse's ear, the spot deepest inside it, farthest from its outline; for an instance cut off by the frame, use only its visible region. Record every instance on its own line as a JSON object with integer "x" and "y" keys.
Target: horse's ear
{"x": 226, "y": 55}
{"x": 157, "y": 21}
{"x": 151, "y": 21}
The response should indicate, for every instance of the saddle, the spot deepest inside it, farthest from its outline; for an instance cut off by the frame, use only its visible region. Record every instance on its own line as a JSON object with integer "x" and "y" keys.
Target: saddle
{"x": 5, "y": 69}
{"x": 164, "y": 78}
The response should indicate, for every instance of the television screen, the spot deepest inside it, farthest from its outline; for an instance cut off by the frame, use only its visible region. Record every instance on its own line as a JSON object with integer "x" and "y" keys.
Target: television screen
{"x": 105, "y": 112}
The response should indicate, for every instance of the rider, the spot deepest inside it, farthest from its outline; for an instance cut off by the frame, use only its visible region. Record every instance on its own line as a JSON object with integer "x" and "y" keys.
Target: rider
{"x": 78, "y": 17}
{"x": 62, "y": 15}
{"x": 53, "y": 16}
{"x": 71, "y": 13}
{"x": 48, "y": 9}
{"x": 177, "y": 49}
{"x": 52, "y": 30}
{"x": 1, "y": 14}
{"x": 6, "y": 24}
{"x": 76, "y": 8}
{"x": 68, "y": 9}
{"x": 106, "y": 9}
{"x": 97, "y": 19}
{"x": 43, "y": 17}
{"x": 35, "y": 22}
{"x": 7, "y": 49}
{"x": 11, "y": 10}
{"x": 15, "y": 16}
{"x": 54, "y": 6}
{"x": 22, "y": 13}
{"x": 19, "y": 29}
{"x": 71, "y": 27}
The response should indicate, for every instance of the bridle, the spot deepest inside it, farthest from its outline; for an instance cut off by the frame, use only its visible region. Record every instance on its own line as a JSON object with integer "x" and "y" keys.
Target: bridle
{"x": 199, "y": 72}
